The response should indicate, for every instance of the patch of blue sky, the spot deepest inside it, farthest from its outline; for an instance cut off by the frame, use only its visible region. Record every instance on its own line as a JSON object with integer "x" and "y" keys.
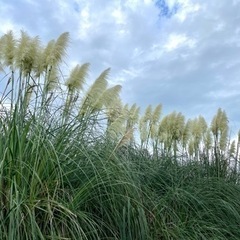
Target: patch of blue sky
{"x": 76, "y": 6}
{"x": 165, "y": 10}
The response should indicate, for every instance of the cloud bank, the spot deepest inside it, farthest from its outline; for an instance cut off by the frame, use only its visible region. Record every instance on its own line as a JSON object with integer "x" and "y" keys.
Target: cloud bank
{"x": 184, "y": 54}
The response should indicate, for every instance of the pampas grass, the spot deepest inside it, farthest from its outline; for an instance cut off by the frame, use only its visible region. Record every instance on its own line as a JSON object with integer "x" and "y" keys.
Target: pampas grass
{"x": 70, "y": 167}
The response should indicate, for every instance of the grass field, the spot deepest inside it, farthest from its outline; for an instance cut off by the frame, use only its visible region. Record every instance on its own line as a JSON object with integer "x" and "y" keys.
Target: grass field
{"x": 70, "y": 167}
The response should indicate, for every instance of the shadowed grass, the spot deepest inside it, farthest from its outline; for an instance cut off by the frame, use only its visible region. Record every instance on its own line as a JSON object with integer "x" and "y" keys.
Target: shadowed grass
{"x": 189, "y": 203}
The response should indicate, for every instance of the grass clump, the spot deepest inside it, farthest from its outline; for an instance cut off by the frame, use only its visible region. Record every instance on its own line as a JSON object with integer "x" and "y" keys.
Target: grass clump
{"x": 70, "y": 167}
{"x": 59, "y": 177}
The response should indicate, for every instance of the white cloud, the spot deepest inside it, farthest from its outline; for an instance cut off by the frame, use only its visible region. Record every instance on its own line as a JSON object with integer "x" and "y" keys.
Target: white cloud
{"x": 187, "y": 8}
{"x": 177, "y": 40}
{"x": 119, "y": 16}
{"x": 85, "y": 24}
{"x": 7, "y": 26}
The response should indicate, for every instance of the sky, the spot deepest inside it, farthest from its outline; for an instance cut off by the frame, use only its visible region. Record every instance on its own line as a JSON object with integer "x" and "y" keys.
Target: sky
{"x": 184, "y": 54}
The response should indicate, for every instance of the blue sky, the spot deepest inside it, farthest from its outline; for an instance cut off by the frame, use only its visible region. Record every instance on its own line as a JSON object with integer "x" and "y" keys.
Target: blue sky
{"x": 184, "y": 54}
